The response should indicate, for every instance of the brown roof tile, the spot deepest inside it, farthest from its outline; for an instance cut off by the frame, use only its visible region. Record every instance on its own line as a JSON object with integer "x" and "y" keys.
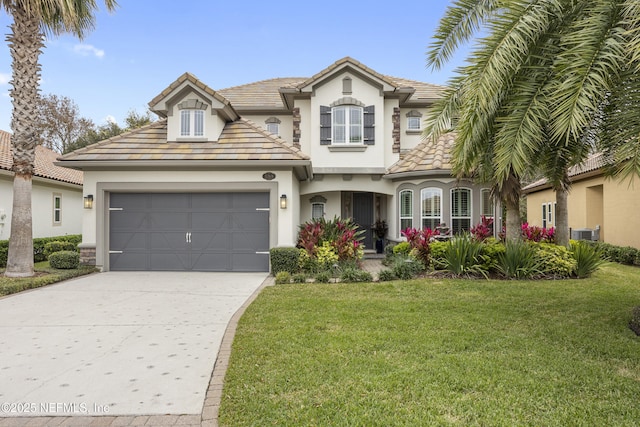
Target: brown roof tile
{"x": 262, "y": 94}
{"x": 44, "y": 166}
{"x": 240, "y": 140}
{"x": 426, "y": 156}
{"x": 591, "y": 164}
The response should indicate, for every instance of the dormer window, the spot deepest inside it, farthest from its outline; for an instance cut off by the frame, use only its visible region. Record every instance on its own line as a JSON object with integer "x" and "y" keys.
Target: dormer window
{"x": 273, "y": 125}
{"x": 192, "y": 123}
{"x": 347, "y": 124}
{"x": 414, "y": 120}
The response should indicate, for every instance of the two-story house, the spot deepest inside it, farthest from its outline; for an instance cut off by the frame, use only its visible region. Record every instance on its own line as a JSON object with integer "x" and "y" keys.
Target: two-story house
{"x": 227, "y": 174}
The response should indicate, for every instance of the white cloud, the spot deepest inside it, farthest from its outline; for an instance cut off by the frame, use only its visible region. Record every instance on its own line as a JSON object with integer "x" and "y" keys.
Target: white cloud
{"x": 87, "y": 49}
{"x": 4, "y": 78}
{"x": 110, "y": 119}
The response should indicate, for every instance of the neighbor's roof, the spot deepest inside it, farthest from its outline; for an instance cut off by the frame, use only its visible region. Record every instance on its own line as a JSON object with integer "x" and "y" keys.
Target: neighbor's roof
{"x": 240, "y": 140}
{"x": 428, "y": 156}
{"x": 44, "y": 167}
{"x": 593, "y": 163}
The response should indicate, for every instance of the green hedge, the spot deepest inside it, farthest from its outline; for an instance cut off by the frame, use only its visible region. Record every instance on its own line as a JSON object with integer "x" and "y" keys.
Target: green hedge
{"x": 284, "y": 259}
{"x": 64, "y": 260}
{"x": 38, "y": 247}
{"x": 621, "y": 254}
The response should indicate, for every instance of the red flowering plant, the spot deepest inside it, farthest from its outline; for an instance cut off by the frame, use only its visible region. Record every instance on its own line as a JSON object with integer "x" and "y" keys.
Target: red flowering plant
{"x": 538, "y": 234}
{"x": 483, "y": 230}
{"x": 324, "y": 242}
{"x": 419, "y": 240}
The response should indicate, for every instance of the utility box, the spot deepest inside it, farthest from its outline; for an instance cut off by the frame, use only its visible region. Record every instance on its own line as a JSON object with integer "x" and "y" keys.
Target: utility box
{"x": 582, "y": 234}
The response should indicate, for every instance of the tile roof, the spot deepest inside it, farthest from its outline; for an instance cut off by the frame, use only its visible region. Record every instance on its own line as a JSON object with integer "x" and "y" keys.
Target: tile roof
{"x": 426, "y": 156}
{"x": 424, "y": 91}
{"x": 44, "y": 166}
{"x": 193, "y": 79}
{"x": 340, "y": 62}
{"x": 240, "y": 140}
{"x": 591, "y": 164}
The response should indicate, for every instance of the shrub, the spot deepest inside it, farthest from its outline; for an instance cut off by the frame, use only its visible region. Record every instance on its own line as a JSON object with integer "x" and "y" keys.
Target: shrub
{"x": 533, "y": 233}
{"x": 64, "y": 260}
{"x": 437, "y": 254}
{"x": 588, "y": 259}
{"x": 554, "y": 261}
{"x": 462, "y": 256}
{"x": 420, "y": 241}
{"x": 406, "y": 268}
{"x": 491, "y": 250}
{"x": 483, "y": 230}
{"x": 386, "y": 275}
{"x": 627, "y": 255}
{"x": 402, "y": 248}
{"x": 323, "y": 277}
{"x": 634, "y": 323}
{"x": 299, "y": 278}
{"x": 518, "y": 261}
{"x": 57, "y": 246}
{"x": 341, "y": 235}
{"x": 353, "y": 275}
{"x": 38, "y": 247}
{"x": 284, "y": 259}
{"x": 283, "y": 277}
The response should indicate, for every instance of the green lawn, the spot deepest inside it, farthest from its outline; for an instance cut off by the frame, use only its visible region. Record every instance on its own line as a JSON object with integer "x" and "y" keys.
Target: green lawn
{"x": 439, "y": 352}
{"x": 45, "y": 275}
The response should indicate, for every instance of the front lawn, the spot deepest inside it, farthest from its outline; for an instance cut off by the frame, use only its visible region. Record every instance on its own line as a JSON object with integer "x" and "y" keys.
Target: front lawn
{"x": 439, "y": 352}
{"x": 45, "y": 275}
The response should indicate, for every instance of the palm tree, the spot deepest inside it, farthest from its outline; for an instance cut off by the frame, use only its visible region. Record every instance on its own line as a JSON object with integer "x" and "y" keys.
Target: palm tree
{"x": 537, "y": 85}
{"x": 32, "y": 19}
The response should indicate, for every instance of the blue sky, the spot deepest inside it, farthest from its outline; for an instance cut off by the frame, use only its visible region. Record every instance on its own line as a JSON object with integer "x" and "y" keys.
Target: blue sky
{"x": 134, "y": 53}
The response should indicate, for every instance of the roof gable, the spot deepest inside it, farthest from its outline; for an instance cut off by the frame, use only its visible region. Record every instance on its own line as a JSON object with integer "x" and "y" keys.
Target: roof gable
{"x": 181, "y": 88}
{"x": 44, "y": 162}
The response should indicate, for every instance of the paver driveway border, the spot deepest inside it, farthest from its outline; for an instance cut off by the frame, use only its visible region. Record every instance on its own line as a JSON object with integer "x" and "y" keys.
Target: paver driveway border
{"x": 211, "y": 405}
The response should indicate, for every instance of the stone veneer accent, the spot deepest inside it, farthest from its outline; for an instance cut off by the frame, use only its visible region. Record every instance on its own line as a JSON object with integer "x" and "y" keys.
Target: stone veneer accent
{"x": 395, "y": 119}
{"x": 296, "y": 127}
{"x": 87, "y": 255}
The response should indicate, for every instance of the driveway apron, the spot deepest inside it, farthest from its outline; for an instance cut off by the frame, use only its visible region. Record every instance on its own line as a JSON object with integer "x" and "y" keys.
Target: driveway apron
{"x": 116, "y": 343}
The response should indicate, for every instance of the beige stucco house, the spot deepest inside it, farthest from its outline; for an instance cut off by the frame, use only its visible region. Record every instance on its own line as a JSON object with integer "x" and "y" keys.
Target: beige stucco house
{"x": 56, "y": 199}
{"x": 606, "y": 206}
{"x": 227, "y": 174}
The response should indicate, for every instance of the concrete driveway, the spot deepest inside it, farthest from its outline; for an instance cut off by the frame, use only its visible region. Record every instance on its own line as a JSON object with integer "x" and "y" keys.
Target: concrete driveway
{"x": 117, "y": 343}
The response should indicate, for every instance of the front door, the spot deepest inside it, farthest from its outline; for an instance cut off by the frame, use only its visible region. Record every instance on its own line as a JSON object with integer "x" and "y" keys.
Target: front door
{"x": 363, "y": 216}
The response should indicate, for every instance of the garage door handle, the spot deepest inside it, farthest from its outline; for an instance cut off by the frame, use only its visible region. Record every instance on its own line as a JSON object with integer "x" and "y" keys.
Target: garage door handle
{"x": 262, "y": 253}
{"x": 263, "y": 209}
{"x": 188, "y": 237}
{"x": 115, "y": 252}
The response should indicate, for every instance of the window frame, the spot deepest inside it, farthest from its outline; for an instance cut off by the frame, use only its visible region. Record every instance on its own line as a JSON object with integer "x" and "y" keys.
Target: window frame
{"x": 484, "y": 203}
{"x": 347, "y": 125}
{"x": 194, "y": 123}
{"x": 436, "y": 191}
{"x": 57, "y": 209}
{"x": 454, "y": 218}
{"x": 407, "y": 216}
{"x": 275, "y": 126}
{"x": 411, "y": 119}
{"x": 313, "y": 206}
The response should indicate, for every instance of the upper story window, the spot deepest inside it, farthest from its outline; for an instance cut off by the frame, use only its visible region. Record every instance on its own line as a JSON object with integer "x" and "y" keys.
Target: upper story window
{"x": 414, "y": 120}
{"x": 273, "y": 125}
{"x": 346, "y": 122}
{"x": 191, "y": 123}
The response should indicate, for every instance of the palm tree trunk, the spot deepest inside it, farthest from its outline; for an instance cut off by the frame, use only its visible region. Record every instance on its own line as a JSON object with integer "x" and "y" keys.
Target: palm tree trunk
{"x": 562, "y": 218}
{"x": 25, "y": 43}
{"x": 514, "y": 230}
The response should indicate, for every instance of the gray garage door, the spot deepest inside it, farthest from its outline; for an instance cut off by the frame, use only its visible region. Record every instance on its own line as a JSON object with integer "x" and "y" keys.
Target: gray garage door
{"x": 189, "y": 231}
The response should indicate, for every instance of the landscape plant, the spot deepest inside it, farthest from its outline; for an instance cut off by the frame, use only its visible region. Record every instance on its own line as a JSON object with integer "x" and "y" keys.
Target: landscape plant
{"x": 483, "y": 230}
{"x": 419, "y": 240}
{"x": 554, "y": 261}
{"x": 463, "y": 256}
{"x": 519, "y": 260}
{"x": 588, "y": 259}
{"x": 323, "y": 243}
{"x": 64, "y": 260}
{"x": 534, "y": 233}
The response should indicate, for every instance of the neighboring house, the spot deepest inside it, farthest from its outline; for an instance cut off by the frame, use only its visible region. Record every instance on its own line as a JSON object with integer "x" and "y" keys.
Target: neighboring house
{"x": 56, "y": 198}
{"x": 225, "y": 175}
{"x": 601, "y": 207}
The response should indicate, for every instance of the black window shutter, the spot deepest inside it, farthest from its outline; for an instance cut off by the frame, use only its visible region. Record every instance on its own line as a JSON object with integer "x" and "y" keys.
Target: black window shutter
{"x": 325, "y": 125}
{"x": 369, "y": 125}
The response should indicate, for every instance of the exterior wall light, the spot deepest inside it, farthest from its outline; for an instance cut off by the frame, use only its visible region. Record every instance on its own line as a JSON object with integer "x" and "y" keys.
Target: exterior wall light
{"x": 283, "y": 201}
{"x": 88, "y": 201}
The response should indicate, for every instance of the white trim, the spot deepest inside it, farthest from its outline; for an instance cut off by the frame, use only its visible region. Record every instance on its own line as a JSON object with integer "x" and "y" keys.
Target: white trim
{"x": 422, "y": 216}
{"x": 347, "y": 124}
{"x": 57, "y": 210}
{"x": 470, "y": 207}
{"x": 483, "y": 191}
{"x": 194, "y": 126}
{"x": 414, "y": 119}
{"x": 405, "y": 217}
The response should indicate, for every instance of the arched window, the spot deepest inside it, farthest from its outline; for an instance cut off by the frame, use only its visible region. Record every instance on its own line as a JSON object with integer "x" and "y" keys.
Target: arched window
{"x": 406, "y": 209}
{"x": 460, "y": 210}
{"x": 431, "y": 200}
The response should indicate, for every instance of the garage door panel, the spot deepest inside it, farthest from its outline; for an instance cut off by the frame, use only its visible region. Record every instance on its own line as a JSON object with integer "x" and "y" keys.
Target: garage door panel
{"x": 210, "y": 220}
{"x": 130, "y": 241}
{"x": 189, "y": 231}
{"x": 168, "y": 241}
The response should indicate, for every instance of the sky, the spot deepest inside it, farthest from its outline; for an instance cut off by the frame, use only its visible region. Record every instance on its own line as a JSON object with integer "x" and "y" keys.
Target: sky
{"x": 137, "y": 51}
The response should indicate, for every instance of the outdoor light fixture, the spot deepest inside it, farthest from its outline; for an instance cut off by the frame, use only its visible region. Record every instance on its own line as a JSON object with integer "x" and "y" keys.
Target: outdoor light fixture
{"x": 88, "y": 201}
{"x": 283, "y": 201}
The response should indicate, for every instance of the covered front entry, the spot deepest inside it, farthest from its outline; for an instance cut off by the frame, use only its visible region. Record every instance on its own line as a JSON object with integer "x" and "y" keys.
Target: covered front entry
{"x": 189, "y": 231}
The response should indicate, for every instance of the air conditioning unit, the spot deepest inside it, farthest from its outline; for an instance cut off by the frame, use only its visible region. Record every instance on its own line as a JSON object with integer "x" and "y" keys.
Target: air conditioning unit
{"x": 582, "y": 234}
